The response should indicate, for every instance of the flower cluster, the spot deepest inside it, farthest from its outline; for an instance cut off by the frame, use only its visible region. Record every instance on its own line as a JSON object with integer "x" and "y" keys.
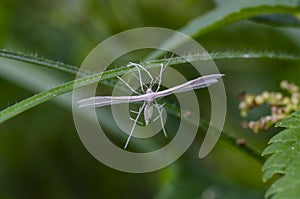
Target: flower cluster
{"x": 281, "y": 106}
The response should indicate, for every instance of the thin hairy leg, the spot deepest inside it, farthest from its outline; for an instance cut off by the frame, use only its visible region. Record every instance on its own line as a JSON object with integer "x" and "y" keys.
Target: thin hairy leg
{"x": 124, "y": 82}
{"x": 162, "y": 69}
{"x": 134, "y": 124}
{"x": 133, "y": 119}
{"x": 159, "y": 109}
{"x": 143, "y": 68}
{"x": 140, "y": 75}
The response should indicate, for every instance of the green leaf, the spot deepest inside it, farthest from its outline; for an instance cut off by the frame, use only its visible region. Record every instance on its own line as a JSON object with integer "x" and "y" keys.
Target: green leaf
{"x": 238, "y": 10}
{"x": 282, "y": 20}
{"x": 285, "y": 159}
{"x": 290, "y": 122}
{"x": 230, "y": 12}
{"x": 286, "y": 135}
{"x": 44, "y": 96}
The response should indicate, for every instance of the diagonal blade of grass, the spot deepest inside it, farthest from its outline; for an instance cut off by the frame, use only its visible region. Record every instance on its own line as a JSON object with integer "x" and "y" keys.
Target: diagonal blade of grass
{"x": 44, "y": 96}
{"x": 67, "y": 87}
{"x": 230, "y": 54}
{"x": 246, "y": 54}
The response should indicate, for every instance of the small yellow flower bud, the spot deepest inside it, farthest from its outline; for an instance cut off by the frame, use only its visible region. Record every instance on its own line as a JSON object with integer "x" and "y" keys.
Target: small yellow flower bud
{"x": 259, "y": 100}
{"x": 265, "y": 95}
{"x": 278, "y": 96}
{"x": 286, "y": 100}
{"x": 283, "y": 84}
{"x": 244, "y": 113}
{"x": 249, "y": 99}
{"x": 281, "y": 106}
{"x": 242, "y": 106}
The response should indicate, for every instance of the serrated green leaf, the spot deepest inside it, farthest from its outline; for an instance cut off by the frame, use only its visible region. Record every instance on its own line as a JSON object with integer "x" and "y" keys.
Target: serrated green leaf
{"x": 296, "y": 113}
{"x": 281, "y": 158}
{"x": 286, "y": 135}
{"x": 276, "y": 147}
{"x": 277, "y": 160}
{"x": 285, "y": 159}
{"x": 289, "y": 123}
{"x": 270, "y": 172}
{"x": 288, "y": 185}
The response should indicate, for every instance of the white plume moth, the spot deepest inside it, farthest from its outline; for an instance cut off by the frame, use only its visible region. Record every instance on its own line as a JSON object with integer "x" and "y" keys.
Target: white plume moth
{"x": 149, "y": 96}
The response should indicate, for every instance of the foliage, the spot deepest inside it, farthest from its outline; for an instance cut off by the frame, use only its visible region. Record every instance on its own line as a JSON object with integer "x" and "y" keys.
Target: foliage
{"x": 284, "y": 149}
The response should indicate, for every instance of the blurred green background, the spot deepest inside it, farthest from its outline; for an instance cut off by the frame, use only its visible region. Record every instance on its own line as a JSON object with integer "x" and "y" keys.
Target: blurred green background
{"x": 41, "y": 155}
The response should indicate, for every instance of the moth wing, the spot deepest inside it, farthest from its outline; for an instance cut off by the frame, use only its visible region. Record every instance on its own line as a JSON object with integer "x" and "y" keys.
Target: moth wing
{"x": 99, "y": 101}
{"x": 200, "y": 82}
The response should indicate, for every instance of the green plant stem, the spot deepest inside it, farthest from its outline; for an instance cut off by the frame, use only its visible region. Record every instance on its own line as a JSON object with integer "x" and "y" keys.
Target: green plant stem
{"x": 249, "y": 54}
{"x": 40, "y": 61}
{"x": 194, "y": 56}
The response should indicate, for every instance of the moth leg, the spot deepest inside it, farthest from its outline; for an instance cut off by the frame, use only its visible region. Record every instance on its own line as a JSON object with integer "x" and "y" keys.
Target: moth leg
{"x": 134, "y": 124}
{"x": 132, "y": 119}
{"x": 124, "y": 82}
{"x": 139, "y": 77}
{"x": 143, "y": 68}
{"x": 159, "y": 78}
{"x": 162, "y": 69}
{"x": 142, "y": 84}
{"x": 132, "y": 111}
{"x": 159, "y": 109}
